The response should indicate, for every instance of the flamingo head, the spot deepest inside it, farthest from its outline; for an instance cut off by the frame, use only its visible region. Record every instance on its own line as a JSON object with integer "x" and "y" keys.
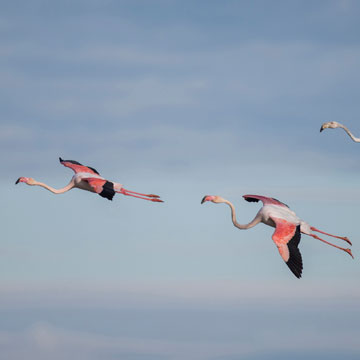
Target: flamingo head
{"x": 26, "y": 180}
{"x": 213, "y": 198}
{"x": 329, "y": 125}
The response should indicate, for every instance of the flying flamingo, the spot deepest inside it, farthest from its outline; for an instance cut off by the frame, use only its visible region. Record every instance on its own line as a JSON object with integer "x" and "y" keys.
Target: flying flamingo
{"x": 334, "y": 125}
{"x": 288, "y": 228}
{"x": 87, "y": 178}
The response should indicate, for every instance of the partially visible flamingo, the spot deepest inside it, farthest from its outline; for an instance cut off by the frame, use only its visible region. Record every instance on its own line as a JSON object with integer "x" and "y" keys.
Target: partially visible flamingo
{"x": 87, "y": 178}
{"x": 334, "y": 125}
{"x": 288, "y": 228}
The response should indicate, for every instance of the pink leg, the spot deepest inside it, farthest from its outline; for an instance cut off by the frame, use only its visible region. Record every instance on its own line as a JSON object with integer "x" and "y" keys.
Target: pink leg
{"x": 338, "y": 247}
{"x": 338, "y": 237}
{"x": 127, "y": 193}
{"x": 148, "y": 195}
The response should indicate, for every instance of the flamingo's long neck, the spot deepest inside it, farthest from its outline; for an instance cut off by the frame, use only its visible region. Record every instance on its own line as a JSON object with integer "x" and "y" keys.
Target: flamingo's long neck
{"x": 252, "y": 223}
{"x": 55, "y": 191}
{"x": 349, "y": 133}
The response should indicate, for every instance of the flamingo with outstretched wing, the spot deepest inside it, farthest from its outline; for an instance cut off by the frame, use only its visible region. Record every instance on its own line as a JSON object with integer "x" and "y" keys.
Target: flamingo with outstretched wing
{"x": 87, "y": 178}
{"x": 288, "y": 228}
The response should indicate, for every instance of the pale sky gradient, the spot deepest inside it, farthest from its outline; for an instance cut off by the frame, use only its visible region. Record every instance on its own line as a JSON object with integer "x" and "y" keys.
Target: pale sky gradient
{"x": 182, "y": 99}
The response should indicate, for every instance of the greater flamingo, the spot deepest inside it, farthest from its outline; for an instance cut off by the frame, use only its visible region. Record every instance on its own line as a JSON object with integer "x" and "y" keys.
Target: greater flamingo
{"x": 334, "y": 125}
{"x": 87, "y": 178}
{"x": 288, "y": 228}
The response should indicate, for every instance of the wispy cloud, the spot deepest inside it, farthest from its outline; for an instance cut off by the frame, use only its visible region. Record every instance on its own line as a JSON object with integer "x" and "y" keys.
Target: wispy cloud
{"x": 216, "y": 294}
{"x": 196, "y": 332}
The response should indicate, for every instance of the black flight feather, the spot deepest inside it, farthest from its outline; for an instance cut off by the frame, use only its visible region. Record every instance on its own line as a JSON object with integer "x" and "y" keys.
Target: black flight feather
{"x": 294, "y": 262}
{"x": 108, "y": 190}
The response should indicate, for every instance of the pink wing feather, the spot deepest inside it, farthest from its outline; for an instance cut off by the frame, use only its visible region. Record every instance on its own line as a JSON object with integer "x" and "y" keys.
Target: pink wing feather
{"x": 96, "y": 184}
{"x": 77, "y": 167}
{"x": 287, "y": 237}
{"x": 102, "y": 187}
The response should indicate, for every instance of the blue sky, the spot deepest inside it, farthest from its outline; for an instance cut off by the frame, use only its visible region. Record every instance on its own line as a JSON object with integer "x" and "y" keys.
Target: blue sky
{"x": 181, "y": 99}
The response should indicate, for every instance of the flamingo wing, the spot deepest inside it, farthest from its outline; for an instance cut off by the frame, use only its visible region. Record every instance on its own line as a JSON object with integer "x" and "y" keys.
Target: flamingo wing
{"x": 266, "y": 200}
{"x": 77, "y": 167}
{"x": 102, "y": 187}
{"x": 287, "y": 237}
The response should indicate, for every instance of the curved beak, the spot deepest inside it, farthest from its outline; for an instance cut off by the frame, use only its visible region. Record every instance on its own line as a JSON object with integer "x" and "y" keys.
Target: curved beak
{"x": 204, "y": 199}
{"x": 322, "y": 128}
{"x": 17, "y": 181}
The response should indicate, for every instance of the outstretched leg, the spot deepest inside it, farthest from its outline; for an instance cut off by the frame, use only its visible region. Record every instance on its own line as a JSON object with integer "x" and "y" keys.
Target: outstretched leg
{"x": 150, "y": 197}
{"x": 326, "y": 242}
{"x": 338, "y": 237}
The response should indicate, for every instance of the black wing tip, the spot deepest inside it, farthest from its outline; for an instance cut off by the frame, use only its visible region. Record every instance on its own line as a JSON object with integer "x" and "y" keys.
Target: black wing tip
{"x": 250, "y": 199}
{"x": 107, "y": 194}
{"x": 294, "y": 262}
{"x": 295, "y": 266}
{"x": 108, "y": 190}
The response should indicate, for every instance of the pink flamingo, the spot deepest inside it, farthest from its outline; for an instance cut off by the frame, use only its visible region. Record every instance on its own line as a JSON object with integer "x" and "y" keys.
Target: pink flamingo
{"x": 87, "y": 178}
{"x": 288, "y": 228}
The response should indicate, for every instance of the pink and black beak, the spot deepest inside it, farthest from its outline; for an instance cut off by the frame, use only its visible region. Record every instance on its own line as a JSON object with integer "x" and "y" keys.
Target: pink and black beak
{"x": 21, "y": 179}
{"x": 207, "y": 198}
